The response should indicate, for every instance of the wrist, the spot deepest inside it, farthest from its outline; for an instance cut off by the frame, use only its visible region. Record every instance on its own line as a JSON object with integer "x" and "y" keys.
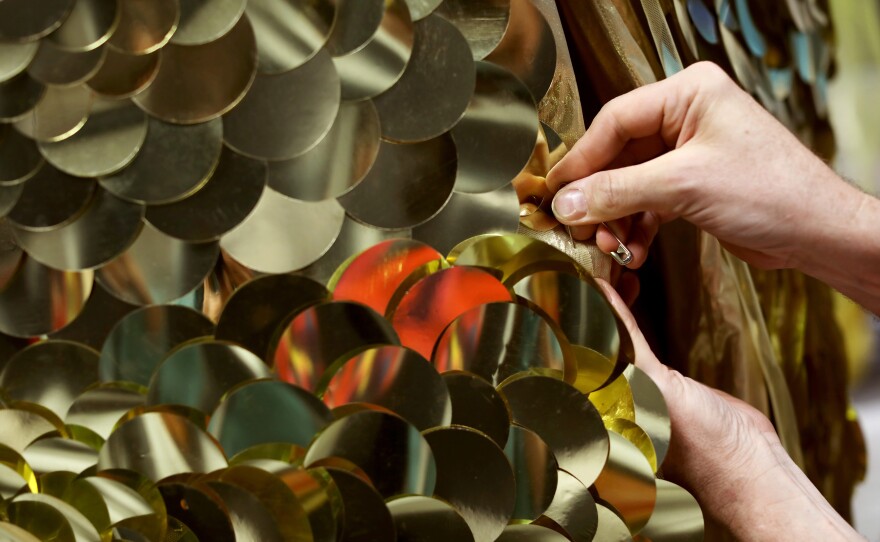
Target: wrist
{"x": 841, "y": 245}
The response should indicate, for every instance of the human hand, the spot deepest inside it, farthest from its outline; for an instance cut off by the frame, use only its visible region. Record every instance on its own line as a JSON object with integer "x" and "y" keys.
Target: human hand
{"x": 727, "y": 454}
{"x": 696, "y": 146}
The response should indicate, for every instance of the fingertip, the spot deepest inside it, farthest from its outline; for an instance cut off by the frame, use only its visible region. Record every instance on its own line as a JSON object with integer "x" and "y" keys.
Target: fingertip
{"x": 605, "y": 240}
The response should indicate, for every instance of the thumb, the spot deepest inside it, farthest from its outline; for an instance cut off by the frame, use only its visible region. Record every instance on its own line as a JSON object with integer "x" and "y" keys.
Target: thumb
{"x": 616, "y": 193}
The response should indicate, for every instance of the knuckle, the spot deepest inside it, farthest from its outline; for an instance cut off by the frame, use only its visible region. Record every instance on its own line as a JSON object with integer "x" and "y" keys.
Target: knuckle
{"x": 607, "y": 194}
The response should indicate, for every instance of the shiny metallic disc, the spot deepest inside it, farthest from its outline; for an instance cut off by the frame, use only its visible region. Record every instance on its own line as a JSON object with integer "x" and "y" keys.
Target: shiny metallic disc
{"x": 422, "y": 8}
{"x": 281, "y": 493}
{"x": 305, "y": 28}
{"x": 101, "y": 313}
{"x": 56, "y": 66}
{"x": 395, "y": 378}
{"x": 499, "y": 340}
{"x": 677, "y": 516}
{"x": 286, "y": 114}
{"x": 39, "y": 300}
{"x": 200, "y": 510}
{"x": 627, "y": 483}
{"x": 217, "y": 207}
{"x": 436, "y": 87}
{"x": 438, "y": 299}
{"x": 109, "y": 141}
{"x": 469, "y": 215}
{"x": 25, "y": 21}
{"x": 142, "y": 338}
{"x": 366, "y": 517}
{"x": 387, "y": 448}
{"x": 79, "y": 525}
{"x": 88, "y": 26}
{"x": 100, "y": 408}
{"x": 483, "y": 22}
{"x": 636, "y": 436}
{"x": 15, "y": 57}
{"x": 173, "y": 163}
{"x": 159, "y": 445}
{"x": 157, "y": 268}
{"x": 529, "y": 36}
{"x": 564, "y": 418}
{"x": 263, "y": 241}
{"x": 427, "y": 519}
{"x": 204, "y": 22}
{"x": 56, "y": 454}
{"x": 199, "y": 374}
{"x": 535, "y": 470}
{"x": 145, "y": 25}
{"x": 18, "y": 96}
{"x": 256, "y": 311}
{"x": 475, "y": 477}
{"x": 21, "y": 427}
{"x": 497, "y": 133}
{"x": 201, "y": 82}
{"x": 408, "y": 184}
{"x": 60, "y": 113}
{"x": 337, "y": 163}
{"x": 123, "y": 75}
{"x": 356, "y": 22}
{"x": 651, "y": 412}
{"x": 71, "y": 368}
{"x": 320, "y": 338}
{"x": 574, "y": 301}
{"x": 531, "y": 533}
{"x": 102, "y": 231}
{"x": 377, "y": 64}
{"x": 19, "y": 157}
{"x": 267, "y": 411}
{"x": 375, "y": 275}
{"x": 355, "y": 237}
{"x": 478, "y": 405}
{"x": 249, "y": 515}
{"x": 573, "y": 510}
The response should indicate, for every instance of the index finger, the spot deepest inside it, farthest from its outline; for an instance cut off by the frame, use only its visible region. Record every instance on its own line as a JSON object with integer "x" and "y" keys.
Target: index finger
{"x": 658, "y": 108}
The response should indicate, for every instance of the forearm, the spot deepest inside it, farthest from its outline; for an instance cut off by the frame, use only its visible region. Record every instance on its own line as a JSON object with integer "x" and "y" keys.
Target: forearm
{"x": 846, "y": 250}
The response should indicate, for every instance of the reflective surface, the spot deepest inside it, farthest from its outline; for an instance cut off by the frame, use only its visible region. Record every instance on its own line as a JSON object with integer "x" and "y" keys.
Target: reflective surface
{"x": 338, "y": 162}
{"x": 18, "y": 96}
{"x": 483, "y": 22}
{"x": 56, "y": 66}
{"x": 264, "y": 412}
{"x": 366, "y": 516}
{"x": 145, "y": 25}
{"x": 474, "y": 476}
{"x": 107, "y": 142}
{"x": 174, "y": 162}
{"x": 535, "y": 469}
{"x": 199, "y": 374}
{"x": 499, "y": 340}
{"x": 370, "y": 67}
{"x": 286, "y": 114}
{"x": 103, "y": 230}
{"x": 51, "y": 198}
{"x": 283, "y": 47}
{"x": 478, "y": 405}
{"x": 15, "y": 57}
{"x": 18, "y": 23}
{"x": 497, "y": 133}
{"x": 434, "y": 91}
{"x": 397, "y": 459}
{"x": 421, "y": 317}
{"x": 221, "y": 204}
{"x": 76, "y": 367}
{"x": 427, "y": 519}
{"x": 261, "y": 241}
{"x": 200, "y": 83}
{"x": 401, "y": 178}
{"x": 61, "y": 112}
{"x": 87, "y": 26}
{"x": 578, "y": 439}
{"x": 140, "y": 340}
{"x": 677, "y": 516}
{"x": 184, "y": 447}
{"x": 395, "y": 378}
{"x": 19, "y": 157}
{"x": 314, "y": 344}
{"x": 256, "y": 310}
{"x": 627, "y": 483}
{"x": 157, "y": 268}
{"x": 205, "y": 22}
{"x": 573, "y": 510}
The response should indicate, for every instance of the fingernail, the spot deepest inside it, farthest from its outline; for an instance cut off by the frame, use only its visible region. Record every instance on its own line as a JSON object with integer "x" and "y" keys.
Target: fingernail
{"x": 570, "y": 204}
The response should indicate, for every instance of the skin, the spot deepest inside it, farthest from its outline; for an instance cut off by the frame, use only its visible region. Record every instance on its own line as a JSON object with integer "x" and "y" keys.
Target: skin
{"x": 696, "y": 146}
